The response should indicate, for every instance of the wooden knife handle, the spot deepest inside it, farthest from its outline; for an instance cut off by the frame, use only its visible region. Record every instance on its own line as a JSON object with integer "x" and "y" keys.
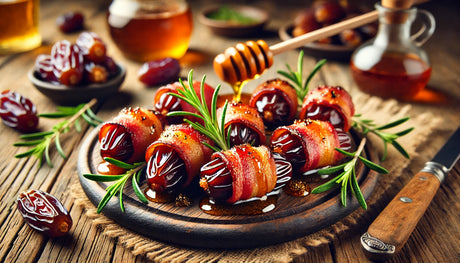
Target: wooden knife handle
{"x": 391, "y": 229}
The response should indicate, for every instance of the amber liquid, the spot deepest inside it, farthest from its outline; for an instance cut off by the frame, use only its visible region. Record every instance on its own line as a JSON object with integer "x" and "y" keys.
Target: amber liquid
{"x": 151, "y": 36}
{"x": 19, "y": 26}
{"x": 399, "y": 76}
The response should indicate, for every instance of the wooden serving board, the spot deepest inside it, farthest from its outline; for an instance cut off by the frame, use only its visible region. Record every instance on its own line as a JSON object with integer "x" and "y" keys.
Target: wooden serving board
{"x": 293, "y": 217}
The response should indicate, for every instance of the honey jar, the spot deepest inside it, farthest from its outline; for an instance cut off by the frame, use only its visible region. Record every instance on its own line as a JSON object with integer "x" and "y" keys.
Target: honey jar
{"x": 145, "y": 30}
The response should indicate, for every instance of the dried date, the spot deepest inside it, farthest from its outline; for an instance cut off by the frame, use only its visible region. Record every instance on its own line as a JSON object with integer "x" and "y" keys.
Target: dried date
{"x": 70, "y": 22}
{"x": 18, "y": 112}
{"x": 44, "y": 213}
{"x": 92, "y": 47}
{"x": 68, "y": 63}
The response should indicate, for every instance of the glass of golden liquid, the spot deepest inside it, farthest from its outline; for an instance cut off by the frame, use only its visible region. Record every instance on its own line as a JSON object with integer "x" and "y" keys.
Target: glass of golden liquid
{"x": 150, "y": 29}
{"x": 19, "y": 26}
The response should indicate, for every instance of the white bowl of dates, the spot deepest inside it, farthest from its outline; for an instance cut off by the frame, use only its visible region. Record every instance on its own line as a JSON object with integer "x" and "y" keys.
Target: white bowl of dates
{"x": 72, "y": 95}
{"x": 235, "y": 20}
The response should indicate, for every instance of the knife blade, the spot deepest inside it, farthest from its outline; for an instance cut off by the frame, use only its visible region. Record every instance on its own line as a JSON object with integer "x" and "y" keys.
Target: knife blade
{"x": 390, "y": 230}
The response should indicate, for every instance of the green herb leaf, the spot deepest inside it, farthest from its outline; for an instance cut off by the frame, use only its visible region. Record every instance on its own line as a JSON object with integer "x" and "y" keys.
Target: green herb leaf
{"x": 366, "y": 126}
{"x": 42, "y": 140}
{"x": 211, "y": 127}
{"x": 347, "y": 177}
{"x": 295, "y": 77}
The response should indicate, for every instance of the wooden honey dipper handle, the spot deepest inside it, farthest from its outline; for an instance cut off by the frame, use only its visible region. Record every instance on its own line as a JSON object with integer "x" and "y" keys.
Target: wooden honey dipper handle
{"x": 334, "y": 29}
{"x": 324, "y": 32}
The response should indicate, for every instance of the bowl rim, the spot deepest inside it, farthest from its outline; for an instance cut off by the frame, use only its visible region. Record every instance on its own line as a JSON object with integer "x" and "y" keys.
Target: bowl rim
{"x": 262, "y": 17}
{"x": 41, "y": 84}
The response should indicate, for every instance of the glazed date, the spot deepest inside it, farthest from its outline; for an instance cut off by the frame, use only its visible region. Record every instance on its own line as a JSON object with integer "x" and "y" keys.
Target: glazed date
{"x": 68, "y": 63}
{"x": 18, "y": 112}
{"x": 116, "y": 142}
{"x": 92, "y": 47}
{"x": 44, "y": 213}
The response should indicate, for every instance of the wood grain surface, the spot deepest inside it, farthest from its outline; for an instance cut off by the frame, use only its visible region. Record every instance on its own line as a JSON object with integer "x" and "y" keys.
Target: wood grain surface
{"x": 436, "y": 238}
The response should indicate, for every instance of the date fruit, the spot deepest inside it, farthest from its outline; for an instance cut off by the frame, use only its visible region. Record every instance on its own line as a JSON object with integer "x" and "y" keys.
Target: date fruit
{"x": 18, "y": 112}
{"x": 68, "y": 63}
{"x": 159, "y": 72}
{"x": 44, "y": 213}
{"x": 70, "y": 22}
{"x": 92, "y": 47}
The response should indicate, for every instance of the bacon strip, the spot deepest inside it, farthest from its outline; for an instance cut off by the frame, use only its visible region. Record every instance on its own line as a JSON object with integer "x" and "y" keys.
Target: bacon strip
{"x": 284, "y": 89}
{"x": 318, "y": 140}
{"x": 188, "y": 143}
{"x": 240, "y": 113}
{"x": 336, "y": 98}
{"x": 253, "y": 171}
{"x": 143, "y": 127}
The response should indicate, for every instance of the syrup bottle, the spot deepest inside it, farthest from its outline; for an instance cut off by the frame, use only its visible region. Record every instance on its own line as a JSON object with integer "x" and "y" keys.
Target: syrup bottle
{"x": 392, "y": 65}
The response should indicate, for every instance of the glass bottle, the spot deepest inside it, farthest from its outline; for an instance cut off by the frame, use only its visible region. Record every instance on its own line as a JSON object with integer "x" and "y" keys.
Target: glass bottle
{"x": 392, "y": 65}
{"x": 145, "y": 30}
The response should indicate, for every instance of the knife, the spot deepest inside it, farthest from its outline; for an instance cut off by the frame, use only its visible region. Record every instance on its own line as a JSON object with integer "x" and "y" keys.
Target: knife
{"x": 390, "y": 230}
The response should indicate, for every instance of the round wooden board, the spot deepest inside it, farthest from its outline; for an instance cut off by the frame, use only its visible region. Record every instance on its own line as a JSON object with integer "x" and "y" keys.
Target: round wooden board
{"x": 293, "y": 217}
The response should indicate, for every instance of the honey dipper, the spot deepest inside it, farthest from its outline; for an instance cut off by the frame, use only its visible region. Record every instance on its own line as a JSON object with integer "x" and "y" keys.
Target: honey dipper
{"x": 248, "y": 60}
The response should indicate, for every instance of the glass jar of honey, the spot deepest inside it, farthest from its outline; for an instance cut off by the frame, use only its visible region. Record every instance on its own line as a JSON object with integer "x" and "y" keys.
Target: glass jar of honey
{"x": 393, "y": 64}
{"x": 147, "y": 30}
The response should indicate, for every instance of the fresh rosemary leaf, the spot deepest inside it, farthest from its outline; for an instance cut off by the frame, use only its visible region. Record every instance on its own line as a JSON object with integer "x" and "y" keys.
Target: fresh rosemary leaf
{"x": 36, "y": 135}
{"x": 102, "y": 178}
{"x": 357, "y": 192}
{"x": 331, "y": 170}
{"x": 317, "y": 67}
{"x": 327, "y": 186}
{"x": 54, "y": 115}
{"x": 373, "y": 166}
{"x": 26, "y": 154}
{"x": 27, "y": 143}
{"x": 393, "y": 124}
{"x": 93, "y": 116}
{"x": 348, "y": 176}
{"x": 77, "y": 125}
{"x": 295, "y": 77}
{"x": 366, "y": 126}
{"x": 344, "y": 152}
{"x": 400, "y": 149}
{"x": 42, "y": 140}
{"x": 59, "y": 147}
{"x": 184, "y": 113}
{"x": 120, "y": 163}
{"x": 137, "y": 189}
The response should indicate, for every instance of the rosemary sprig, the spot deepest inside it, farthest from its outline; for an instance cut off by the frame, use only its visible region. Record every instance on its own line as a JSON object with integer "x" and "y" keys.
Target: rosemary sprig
{"x": 347, "y": 178}
{"x": 211, "y": 127}
{"x": 132, "y": 170}
{"x": 296, "y": 78}
{"x": 366, "y": 126}
{"x": 41, "y": 141}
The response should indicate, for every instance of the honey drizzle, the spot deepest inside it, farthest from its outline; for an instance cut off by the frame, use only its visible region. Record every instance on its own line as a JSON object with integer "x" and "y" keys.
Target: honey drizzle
{"x": 253, "y": 206}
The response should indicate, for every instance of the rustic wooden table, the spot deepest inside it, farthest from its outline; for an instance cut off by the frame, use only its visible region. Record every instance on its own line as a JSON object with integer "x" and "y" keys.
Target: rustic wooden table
{"x": 435, "y": 239}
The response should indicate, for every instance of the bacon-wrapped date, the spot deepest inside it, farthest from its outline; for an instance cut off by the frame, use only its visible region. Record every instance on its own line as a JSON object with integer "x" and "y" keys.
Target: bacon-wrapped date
{"x": 164, "y": 103}
{"x": 329, "y": 103}
{"x": 309, "y": 144}
{"x": 245, "y": 123}
{"x": 127, "y": 136}
{"x": 243, "y": 172}
{"x": 176, "y": 158}
{"x": 276, "y": 101}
